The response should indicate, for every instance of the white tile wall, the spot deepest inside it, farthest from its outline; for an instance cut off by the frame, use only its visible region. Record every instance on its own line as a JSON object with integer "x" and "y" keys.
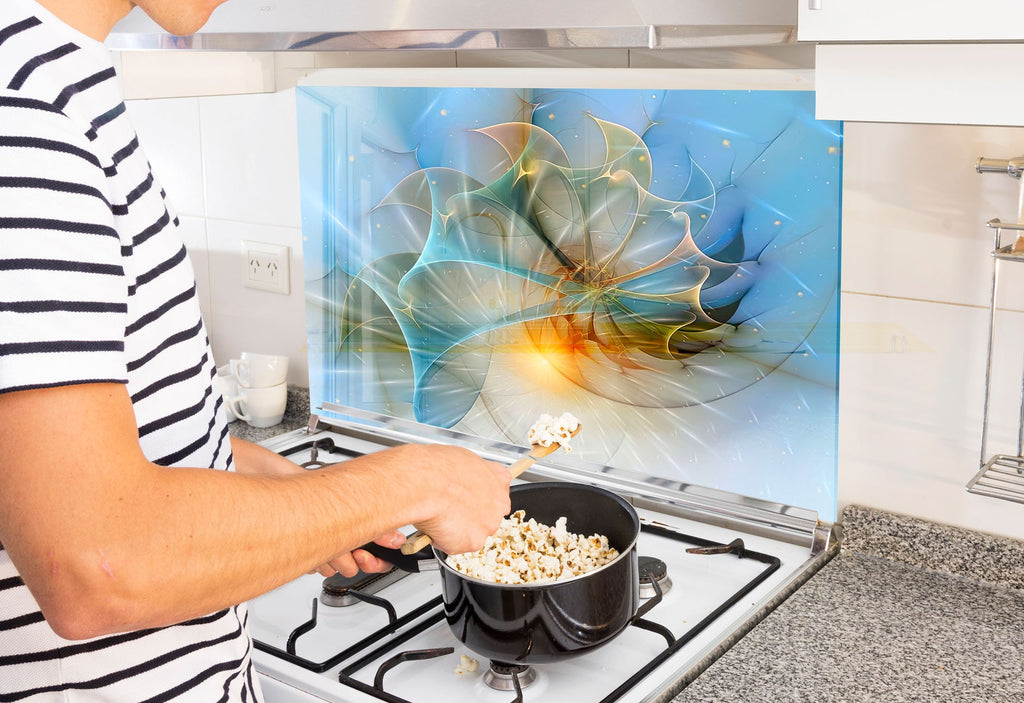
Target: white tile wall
{"x": 250, "y": 158}
{"x": 911, "y": 401}
{"x": 165, "y": 74}
{"x": 916, "y": 281}
{"x": 914, "y": 210}
{"x": 916, "y": 278}
{"x": 170, "y": 136}
{"x": 230, "y": 167}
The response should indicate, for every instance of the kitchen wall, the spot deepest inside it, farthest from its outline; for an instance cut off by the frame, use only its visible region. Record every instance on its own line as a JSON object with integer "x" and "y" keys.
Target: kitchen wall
{"x": 916, "y": 273}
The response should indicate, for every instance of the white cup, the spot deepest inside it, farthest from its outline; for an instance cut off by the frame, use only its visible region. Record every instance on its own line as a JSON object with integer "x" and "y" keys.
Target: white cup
{"x": 259, "y": 370}
{"x": 260, "y": 407}
{"x": 228, "y": 388}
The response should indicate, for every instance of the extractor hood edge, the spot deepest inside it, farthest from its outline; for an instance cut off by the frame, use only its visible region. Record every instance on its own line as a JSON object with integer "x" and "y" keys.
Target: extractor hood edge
{"x": 389, "y": 25}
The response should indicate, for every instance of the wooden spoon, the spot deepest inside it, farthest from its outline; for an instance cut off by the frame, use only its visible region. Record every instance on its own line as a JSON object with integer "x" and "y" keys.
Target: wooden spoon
{"x": 418, "y": 540}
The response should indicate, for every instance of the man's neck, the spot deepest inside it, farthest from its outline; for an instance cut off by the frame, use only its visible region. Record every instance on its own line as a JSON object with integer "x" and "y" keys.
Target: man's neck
{"x": 94, "y": 18}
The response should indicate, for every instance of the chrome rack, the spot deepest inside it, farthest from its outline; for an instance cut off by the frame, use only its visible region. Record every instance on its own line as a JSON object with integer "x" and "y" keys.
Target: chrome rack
{"x": 1001, "y": 475}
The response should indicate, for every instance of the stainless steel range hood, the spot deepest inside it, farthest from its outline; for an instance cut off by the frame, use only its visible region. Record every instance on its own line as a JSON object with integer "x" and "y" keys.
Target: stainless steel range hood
{"x": 358, "y": 25}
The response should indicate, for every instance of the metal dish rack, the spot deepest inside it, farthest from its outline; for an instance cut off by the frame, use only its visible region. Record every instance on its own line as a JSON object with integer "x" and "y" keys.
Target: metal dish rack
{"x": 1001, "y": 475}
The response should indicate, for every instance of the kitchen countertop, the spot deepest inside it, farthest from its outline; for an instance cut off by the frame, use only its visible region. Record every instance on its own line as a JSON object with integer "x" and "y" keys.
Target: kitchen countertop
{"x": 909, "y": 610}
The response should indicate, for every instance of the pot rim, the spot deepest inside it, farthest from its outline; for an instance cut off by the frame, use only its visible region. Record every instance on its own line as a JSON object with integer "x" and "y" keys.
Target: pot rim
{"x": 441, "y": 556}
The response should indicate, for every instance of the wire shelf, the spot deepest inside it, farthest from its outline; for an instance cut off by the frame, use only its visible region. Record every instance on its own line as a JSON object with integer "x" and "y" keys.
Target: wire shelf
{"x": 1007, "y": 253}
{"x": 1001, "y": 477}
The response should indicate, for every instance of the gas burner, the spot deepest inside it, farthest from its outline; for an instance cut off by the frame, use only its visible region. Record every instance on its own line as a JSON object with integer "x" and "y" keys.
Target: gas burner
{"x": 652, "y": 567}
{"x": 502, "y": 677}
{"x": 340, "y": 591}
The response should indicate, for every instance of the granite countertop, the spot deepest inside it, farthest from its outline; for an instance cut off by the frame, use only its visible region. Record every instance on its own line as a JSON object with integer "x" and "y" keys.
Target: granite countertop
{"x": 909, "y": 610}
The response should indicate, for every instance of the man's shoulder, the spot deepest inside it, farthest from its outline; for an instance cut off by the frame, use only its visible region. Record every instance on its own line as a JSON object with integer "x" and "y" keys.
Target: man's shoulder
{"x": 28, "y": 125}
{"x": 21, "y": 113}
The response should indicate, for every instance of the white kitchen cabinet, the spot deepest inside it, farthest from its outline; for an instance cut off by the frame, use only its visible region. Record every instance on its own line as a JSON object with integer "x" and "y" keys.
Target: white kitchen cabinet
{"x": 938, "y": 62}
{"x": 910, "y": 20}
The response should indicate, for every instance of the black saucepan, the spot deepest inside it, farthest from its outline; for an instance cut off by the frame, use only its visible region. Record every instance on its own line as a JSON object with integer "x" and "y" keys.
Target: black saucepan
{"x": 543, "y": 622}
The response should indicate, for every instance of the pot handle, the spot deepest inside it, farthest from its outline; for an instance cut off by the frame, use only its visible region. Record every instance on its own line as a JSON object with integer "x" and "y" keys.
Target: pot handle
{"x": 423, "y": 560}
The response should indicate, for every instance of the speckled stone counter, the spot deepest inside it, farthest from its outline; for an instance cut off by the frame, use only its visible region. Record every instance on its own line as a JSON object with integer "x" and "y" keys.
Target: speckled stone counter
{"x": 296, "y": 415}
{"x": 908, "y": 611}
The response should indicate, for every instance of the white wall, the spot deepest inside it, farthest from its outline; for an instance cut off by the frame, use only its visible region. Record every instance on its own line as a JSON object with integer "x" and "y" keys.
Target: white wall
{"x": 916, "y": 278}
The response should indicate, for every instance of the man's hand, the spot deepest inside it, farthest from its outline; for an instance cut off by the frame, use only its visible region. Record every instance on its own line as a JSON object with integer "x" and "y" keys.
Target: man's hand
{"x": 467, "y": 495}
{"x": 351, "y": 563}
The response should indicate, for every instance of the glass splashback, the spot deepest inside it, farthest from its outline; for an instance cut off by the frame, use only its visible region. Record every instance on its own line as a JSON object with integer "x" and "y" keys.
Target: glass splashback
{"x": 663, "y": 264}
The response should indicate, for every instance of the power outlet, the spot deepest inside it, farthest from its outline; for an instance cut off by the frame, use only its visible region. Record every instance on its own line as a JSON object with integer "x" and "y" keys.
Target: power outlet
{"x": 265, "y": 267}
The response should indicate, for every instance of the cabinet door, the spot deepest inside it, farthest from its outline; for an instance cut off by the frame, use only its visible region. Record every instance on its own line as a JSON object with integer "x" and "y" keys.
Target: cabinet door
{"x": 910, "y": 20}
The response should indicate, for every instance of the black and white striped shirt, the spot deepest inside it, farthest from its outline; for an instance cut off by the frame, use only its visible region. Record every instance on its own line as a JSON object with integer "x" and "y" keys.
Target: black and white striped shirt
{"x": 95, "y": 286}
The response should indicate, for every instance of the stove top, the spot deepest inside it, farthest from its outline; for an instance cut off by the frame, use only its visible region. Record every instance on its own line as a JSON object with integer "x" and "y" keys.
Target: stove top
{"x": 705, "y": 577}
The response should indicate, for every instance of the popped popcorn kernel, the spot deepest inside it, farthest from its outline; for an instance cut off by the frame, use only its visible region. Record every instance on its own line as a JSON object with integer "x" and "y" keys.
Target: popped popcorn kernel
{"x": 525, "y": 551}
{"x": 550, "y": 430}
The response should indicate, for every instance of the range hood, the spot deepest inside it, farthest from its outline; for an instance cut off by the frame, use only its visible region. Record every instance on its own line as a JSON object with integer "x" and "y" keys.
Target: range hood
{"x": 358, "y": 25}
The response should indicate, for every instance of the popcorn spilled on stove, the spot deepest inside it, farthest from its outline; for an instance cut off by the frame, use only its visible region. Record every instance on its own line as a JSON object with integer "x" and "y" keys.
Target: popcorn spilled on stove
{"x": 526, "y": 551}
{"x": 550, "y": 430}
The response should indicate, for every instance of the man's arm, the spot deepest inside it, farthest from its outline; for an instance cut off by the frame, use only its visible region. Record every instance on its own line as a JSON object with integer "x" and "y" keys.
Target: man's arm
{"x": 107, "y": 541}
{"x": 251, "y": 458}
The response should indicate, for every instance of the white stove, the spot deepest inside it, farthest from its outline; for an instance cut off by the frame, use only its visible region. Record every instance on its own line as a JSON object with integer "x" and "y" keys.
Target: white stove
{"x": 385, "y": 638}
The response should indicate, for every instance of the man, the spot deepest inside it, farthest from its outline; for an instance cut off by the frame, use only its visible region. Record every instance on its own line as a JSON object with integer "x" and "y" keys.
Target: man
{"x": 124, "y": 556}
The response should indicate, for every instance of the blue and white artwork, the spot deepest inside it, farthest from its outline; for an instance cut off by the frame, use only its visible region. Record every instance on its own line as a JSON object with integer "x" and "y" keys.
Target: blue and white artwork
{"x": 663, "y": 264}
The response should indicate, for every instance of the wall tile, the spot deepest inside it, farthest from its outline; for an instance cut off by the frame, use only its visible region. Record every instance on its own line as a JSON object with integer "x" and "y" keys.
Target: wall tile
{"x": 168, "y": 130}
{"x": 250, "y": 158}
{"x": 914, "y": 210}
{"x": 245, "y": 319}
{"x": 910, "y": 407}
{"x": 171, "y": 74}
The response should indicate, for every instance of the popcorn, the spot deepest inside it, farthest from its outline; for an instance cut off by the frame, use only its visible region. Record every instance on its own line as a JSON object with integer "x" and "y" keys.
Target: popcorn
{"x": 525, "y": 551}
{"x": 467, "y": 665}
{"x": 550, "y": 430}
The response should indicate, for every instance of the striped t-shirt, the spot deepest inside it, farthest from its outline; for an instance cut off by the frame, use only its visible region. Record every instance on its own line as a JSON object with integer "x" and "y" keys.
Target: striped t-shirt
{"x": 95, "y": 286}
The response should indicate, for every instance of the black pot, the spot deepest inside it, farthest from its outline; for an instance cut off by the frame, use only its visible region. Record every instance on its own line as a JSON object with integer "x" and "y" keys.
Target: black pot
{"x": 543, "y": 622}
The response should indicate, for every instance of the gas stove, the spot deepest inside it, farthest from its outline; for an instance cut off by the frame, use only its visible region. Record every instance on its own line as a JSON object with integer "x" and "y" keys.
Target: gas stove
{"x": 712, "y": 566}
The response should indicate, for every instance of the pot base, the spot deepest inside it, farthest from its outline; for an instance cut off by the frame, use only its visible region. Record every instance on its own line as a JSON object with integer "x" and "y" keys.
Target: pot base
{"x": 501, "y": 676}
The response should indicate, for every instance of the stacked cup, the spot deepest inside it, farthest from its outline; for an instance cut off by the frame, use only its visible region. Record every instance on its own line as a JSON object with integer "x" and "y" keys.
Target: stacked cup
{"x": 255, "y": 389}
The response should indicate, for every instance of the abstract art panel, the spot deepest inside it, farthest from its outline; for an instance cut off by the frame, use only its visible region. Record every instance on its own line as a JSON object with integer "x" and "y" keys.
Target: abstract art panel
{"x": 664, "y": 264}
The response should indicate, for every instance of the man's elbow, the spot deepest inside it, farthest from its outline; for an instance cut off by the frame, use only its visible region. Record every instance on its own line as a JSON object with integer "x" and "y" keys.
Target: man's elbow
{"x": 85, "y": 605}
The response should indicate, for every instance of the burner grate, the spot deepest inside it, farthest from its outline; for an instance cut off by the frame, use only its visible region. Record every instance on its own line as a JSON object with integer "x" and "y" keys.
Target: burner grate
{"x": 330, "y": 663}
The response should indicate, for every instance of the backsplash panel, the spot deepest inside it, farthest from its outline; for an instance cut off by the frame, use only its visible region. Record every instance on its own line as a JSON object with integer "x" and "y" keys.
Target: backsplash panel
{"x": 662, "y": 263}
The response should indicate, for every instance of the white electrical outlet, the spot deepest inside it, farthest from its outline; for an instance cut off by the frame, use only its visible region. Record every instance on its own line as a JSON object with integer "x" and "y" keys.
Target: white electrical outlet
{"x": 265, "y": 266}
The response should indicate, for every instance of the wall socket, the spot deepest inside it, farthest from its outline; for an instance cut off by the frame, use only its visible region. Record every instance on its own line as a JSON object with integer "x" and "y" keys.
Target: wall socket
{"x": 265, "y": 267}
